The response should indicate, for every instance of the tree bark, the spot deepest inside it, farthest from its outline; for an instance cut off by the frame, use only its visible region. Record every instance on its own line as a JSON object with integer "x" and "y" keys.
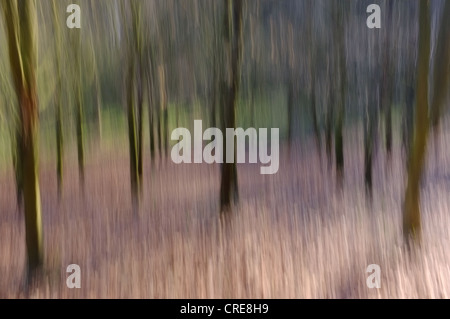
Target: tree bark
{"x": 411, "y": 210}
{"x": 387, "y": 83}
{"x": 338, "y": 133}
{"x": 132, "y": 138}
{"x": 20, "y": 17}
{"x": 140, "y": 116}
{"x": 230, "y": 90}
{"x": 58, "y": 102}
{"x": 441, "y": 68}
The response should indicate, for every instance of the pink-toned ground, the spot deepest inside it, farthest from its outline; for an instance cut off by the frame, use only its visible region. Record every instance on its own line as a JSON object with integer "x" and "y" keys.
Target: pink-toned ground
{"x": 293, "y": 234}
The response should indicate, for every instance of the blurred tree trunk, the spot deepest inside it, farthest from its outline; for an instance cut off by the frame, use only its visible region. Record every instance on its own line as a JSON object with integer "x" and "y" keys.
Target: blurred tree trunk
{"x": 312, "y": 58}
{"x": 215, "y": 67}
{"x": 329, "y": 115}
{"x": 411, "y": 209}
{"x": 59, "y": 142}
{"x": 158, "y": 121}
{"x": 340, "y": 9}
{"x": 140, "y": 117}
{"x": 372, "y": 108}
{"x": 291, "y": 71}
{"x": 17, "y": 164}
{"x": 150, "y": 76}
{"x": 164, "y": 108}
{"x": 315, "y": 118}
{"x": 79, "y": 103}
{"x": 387, "y": 80}
{"x": 79, "y": 127}
{"x": 230, "y": 91}
{"x": 98, "y": 102}
{"x": 138, "y": 39}
{"x": 151, "y": 124}
{"x": 20, "y": 18}
{"x": 370, "y": 125}
{"x": 58, "y": 101}
{"x": 441, "y": 69}
{"x": 96, "y": 10}
{"x": 132, "y": 138}
{"x": 133, "y": 81}
{"x": 409, "y": 77}
{"x": 408, "y": 119}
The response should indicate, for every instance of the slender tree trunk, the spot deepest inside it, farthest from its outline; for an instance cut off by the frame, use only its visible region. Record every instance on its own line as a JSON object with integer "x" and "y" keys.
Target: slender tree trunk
{"x": 17, "y": 163}
{"x": 408, "y": 120}
{"x": 132, "y": 138}
{"x": 230, "y": 90}
{"x": 312, "y": 58}
{"x": 58, "y": 102}
{"x": 80, "y": 131}
{"x": 151, "y": 125}
{"x": 79, "y": 112}
{"x": 33, "y": 222}
{"x": 329, "y": 126}
{"x": 441, "y": 69}
{"x": 150, "y": 78}
{"x": 338, "y": 134}
{"x": 21, "y": 31}
{"x": 339, "y": 143}
{"x": 164, "y": 109}
{"x": 158, "y": 125}
{"x": 387, "y": 81}
{"x": 315, "y": 118}
{"x": 59, "y": 144}
{"x": 388, "y": 127}
{"x": 370, "y": 122}
{"x": 411, "y": 212}
{"x": 215, "y": 69}
{"x": 98, "y": 100}
{"x": 140, "y": 116}
{"x": 166, "y": 130}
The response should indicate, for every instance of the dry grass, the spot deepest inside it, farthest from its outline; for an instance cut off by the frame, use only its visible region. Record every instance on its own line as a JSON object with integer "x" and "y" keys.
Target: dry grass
{"x": 292, "y": 236}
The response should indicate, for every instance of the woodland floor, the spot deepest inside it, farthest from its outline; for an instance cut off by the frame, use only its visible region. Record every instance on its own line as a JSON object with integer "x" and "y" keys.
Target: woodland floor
{"x": 293, "y": 235}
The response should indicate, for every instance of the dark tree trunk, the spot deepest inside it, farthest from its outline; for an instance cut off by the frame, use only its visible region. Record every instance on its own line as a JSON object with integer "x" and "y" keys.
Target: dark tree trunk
{"x": 230, "y": 90}
{"x": 441, "y": 69}
{"x": 370, "y": 125}
{"x": 411, "y": 210}
{"x": 59, "y": 146}
{"x": 132, "y": 138}
{"x": 338, "y": 134}
{"x": 387, "y": 81}
{"x": 140, "y": 117}
{"x": 58, "y": 102}
{"x": 80, "y": 134}
{"x": 17, "y": 159}
{"x": 20, "y": 24}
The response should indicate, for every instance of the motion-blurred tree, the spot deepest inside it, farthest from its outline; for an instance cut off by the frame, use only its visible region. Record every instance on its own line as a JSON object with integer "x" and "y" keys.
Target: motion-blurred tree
{"x": 411, "y": 210}
{"x": 58, "y": 97}
{"x": 372, "y": 107}
{"x": 232, "y": 46}
{"x": 20, "y": 21}
{"x": 340, "y": 14}
{"x": 312, "y": 60}
{"x": 130, "y": 23}
{"x": 441, "y": 69}
{"x": 78, "y": 91}
{"x": 388, "y": 77}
